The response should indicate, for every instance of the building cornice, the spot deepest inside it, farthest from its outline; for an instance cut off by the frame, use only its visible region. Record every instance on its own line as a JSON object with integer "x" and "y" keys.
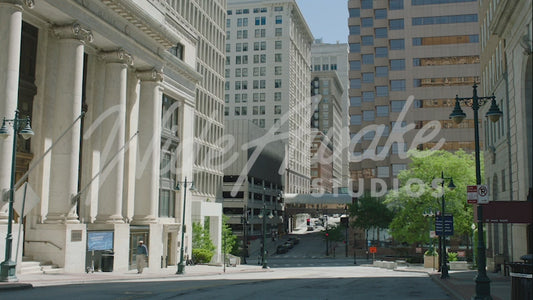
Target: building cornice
{"x": 502, "y": 15}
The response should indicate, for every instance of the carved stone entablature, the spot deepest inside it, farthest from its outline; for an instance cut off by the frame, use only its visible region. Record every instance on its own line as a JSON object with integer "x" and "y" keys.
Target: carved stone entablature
{"x": 27, "y": 3}
{"x": 73, "y": 31}
{"x": 117, "y": 56}
{"x": 150, "y": 75}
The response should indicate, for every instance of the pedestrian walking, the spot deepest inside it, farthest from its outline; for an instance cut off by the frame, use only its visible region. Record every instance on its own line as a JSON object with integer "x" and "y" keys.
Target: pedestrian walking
{"x": 142, "y": 253}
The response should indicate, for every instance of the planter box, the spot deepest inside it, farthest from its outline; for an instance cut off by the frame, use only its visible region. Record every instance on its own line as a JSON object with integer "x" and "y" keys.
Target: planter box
{"x": 431, "y": 261}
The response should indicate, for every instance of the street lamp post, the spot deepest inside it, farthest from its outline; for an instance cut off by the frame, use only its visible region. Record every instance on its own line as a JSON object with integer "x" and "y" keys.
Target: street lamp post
{"x": 494, "y": 114}
{"x": 8, "y": 267}
{"x": 444, "y": 256}
{"x": 244, "y": 221}
{"x": 181, "y": 264}
{"x": 262, "y": 216}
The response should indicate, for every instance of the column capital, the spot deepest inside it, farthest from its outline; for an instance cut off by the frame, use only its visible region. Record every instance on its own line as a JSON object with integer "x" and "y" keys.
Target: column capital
{"x": 117, "y": 56}
{"x": 27, "y": 3}
{"x": 150, "y": 75}
{"x": 73, "y": 31}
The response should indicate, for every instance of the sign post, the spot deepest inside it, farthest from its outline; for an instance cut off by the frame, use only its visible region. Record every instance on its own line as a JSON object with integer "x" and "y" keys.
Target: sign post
{"x": 471, "y": 194}
{"x": 482, "y": 194}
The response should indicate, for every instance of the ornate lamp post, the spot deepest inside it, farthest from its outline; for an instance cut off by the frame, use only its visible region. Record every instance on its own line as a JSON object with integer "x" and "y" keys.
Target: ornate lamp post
{"x": 444, "y": 256}
{"x": 262, "y": 216}
{"x": 181, "y": 264}
{"x": 8, "y": 267}
{"x": 244, "y": 221}
{"x": 494, "y": 114}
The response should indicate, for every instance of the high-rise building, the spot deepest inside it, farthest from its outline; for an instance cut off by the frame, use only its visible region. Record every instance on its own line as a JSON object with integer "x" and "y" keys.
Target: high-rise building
{"x": 334, "y": 58}
{"x": 428, "y": 49}
{"x": 268, "y": 54}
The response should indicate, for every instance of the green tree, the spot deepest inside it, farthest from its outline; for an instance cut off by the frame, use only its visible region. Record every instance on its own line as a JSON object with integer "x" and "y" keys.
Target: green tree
{"x": 229, "y": 240}
{"x": 419, "y": 192}
{"x": 203, "y": 248}
{"x": 370, "y": 212}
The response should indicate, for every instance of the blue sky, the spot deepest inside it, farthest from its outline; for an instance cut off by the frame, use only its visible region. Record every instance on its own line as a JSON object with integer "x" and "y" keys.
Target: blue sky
{"x": 328, "y": 19}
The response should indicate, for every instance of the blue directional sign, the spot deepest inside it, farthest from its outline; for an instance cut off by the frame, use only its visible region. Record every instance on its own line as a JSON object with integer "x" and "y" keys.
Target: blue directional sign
{"x": 448, "y": 225}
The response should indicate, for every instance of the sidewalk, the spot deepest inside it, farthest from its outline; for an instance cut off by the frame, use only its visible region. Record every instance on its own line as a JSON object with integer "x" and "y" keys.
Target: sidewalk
{"x": 35, "y": 280}
{"x": 461, "y": 284}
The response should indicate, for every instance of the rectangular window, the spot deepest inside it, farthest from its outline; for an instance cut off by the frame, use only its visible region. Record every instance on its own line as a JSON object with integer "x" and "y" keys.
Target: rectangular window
{"x": 367, "y": 22}
{"x": 278, "y": 32}
{"x": 397, "y": 105}
{"x": 397, "y": 168}
{"x": 367, "y": 4}
{"x": 367, "y": 40}
{"x": 277, "y": 96}
{"x": 382, "y": 71}
{"x": 382, "y": 91}
{"x": 452, "y": 19}
{"x": 277, "y": 70}
{"x": 368, "y": 96}
{"x": 368, "y": 59}
{"x": 397, "y": 85}
{"x": 382, "y": 110}
{"x": 380, "y": 13}
{"x": 380, "y": 33}
{"x": 356, "y": 120}
{"x": 354, "y": 12}
{"x": 368, "y": 77}
{"x": 355, "y": 30}
{"x": 416, "y": 62}
{"x": 383, "y": 172}
{"x": 398, "y": 44}
{"x": 396, "y": 24}
{"x": 277, "y": 83}
{"x": 277, "y": 45}
{"x": 355, "y": 83}
{"x": 397, "y": 64}
{"x": 279, "y": 19}
{"x": 395, "y": 4}
{"x": 277, "y": 109}
{"x": 277, "y": 57}
{"x": 355, "y": 65}
{"x": 382, "y": 52}
{"x": 355, "y": 48}
{"x": 355, "y": 101}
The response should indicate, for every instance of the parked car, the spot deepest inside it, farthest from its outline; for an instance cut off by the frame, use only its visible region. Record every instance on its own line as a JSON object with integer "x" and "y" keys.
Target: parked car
{"x": 294, "y": 240}
{"x": 282, "y": 249}
{"x": 289, "y": 244}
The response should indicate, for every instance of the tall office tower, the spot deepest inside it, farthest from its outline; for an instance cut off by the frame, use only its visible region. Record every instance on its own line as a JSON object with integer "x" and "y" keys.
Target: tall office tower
{"x": 334, "y": 58}
{"x": 326, "y": 126}
{"x": 428, "y": 49}
{"x": 268, "y": 53}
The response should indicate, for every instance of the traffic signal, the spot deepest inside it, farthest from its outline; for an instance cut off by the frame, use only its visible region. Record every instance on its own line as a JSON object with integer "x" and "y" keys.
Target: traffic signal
{"x": 327, "y": 234}
{"x": 308, "y": 222}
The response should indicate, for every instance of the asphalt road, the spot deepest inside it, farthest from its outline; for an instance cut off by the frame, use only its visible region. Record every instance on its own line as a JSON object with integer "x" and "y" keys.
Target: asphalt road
{"x": 302, "y": 273}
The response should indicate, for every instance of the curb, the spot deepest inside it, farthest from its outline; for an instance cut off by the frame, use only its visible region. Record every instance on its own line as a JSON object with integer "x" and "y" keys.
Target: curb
{"x": 15, "y": 286}
{"x": 440, "y": 282}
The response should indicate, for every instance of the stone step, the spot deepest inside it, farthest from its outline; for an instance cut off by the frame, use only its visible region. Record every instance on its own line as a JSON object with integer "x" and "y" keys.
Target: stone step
{"x": 35, "y": 267}
{"x": 53, "y": 270}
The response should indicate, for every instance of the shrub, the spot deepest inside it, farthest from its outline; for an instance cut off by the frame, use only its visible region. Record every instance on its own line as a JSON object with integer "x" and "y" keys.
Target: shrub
{"x": 431, "y": 252}
{"x": 201, "y": 256}
{"x": 452, "y": 256}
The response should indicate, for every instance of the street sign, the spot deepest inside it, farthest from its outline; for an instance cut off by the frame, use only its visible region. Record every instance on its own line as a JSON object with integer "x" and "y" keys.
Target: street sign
{"x": 482, "y": 194}
{"x": 373, "y": 250}
{"x": 471, "y": 194}
{"x": 448, "y": 225}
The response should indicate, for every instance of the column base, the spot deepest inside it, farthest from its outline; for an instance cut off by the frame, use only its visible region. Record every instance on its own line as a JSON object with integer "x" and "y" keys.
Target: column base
{"x": 61, "y": 218}
{"x": 8, "y": 272}
{"x": 113, "y": 219}
{"x": 143, "y": 220}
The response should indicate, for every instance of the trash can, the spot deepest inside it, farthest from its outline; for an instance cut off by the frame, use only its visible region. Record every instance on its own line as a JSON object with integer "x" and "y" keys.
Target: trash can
{"x": 108, "y": 257}
{"x": 521, "y": 281}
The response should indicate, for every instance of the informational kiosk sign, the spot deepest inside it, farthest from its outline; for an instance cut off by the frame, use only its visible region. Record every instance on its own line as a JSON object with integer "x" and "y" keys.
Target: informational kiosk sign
{"x": 99, "y": 240}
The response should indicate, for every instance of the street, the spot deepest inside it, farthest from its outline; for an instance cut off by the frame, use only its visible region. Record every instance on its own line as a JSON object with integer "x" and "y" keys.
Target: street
{"x": 302, "y": 273}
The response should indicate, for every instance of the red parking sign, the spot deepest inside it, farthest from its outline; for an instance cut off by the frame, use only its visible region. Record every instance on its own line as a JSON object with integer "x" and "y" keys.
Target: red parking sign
{"x": 373, "y": 250}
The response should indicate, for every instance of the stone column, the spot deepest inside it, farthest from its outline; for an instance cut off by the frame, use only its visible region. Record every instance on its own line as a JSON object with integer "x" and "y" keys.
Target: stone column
{"x": 66, "y": 106}
{"x": 149, "y": 147}
{"x": 111, "y": 144}
{"x": 10, "y": 37}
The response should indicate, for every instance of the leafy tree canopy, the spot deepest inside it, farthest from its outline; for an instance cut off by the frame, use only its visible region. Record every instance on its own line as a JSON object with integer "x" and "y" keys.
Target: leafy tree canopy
{"x": 420, "y": 191}
{"x": 369, "y": 212}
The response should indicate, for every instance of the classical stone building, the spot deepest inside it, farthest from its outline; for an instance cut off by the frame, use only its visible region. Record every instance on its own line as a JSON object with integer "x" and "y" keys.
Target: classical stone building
{"x": 114, "y": 91}
{"x": 507, "y": 71}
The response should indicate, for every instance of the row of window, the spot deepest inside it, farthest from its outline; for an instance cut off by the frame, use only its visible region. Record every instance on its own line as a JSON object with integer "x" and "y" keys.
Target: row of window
{"x": 257, "y": 72}
{"x": 246, "y": 11}
{"x": 259, "y": 21}
{"x": 399, "y": 64}
{"x": 257, "y": 58}
{"x": 368, "y": 173}
{"x": 243, "y": 85}
{"x": 470, "y": 18}
{"x": 398, "y": 4}
{"x": 256, "y": 97}
{"x": 393, "y": 4}
{"x": 258, "y": 33}
{"x": 258, "y": 46}
{"x": 445, "y": 81}
{"x": 256, "y": 110}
